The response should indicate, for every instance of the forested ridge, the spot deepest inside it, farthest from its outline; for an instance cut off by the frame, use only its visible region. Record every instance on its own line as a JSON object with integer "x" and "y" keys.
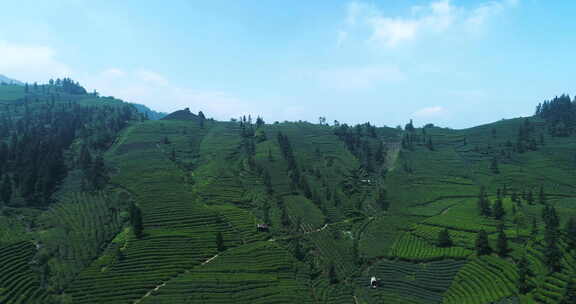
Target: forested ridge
{"x": 104, "y": 202}
{"x": 38, "y": 131}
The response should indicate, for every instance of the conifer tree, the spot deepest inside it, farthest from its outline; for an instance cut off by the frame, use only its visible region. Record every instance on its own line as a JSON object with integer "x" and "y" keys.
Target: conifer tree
{"x": 332, "y": 274}
{"x": 305, "y": 187}
{"x": 316, "y": 199}
{"x": 494, "y": 166}
{"x": 550, "y": 217}
{"x": 6, "y": 191}
{"x": 97, "y": 174}
{"x": 268, "y": 182}
{"x": 173, "y": 154}
{"x": 284, "y": 219}
{"x": 85, "y": 158}
{"x": 482, "y": 244}
{"x": 380, "y": 154}
{"x": 523, "y": 273}
{"x": 552, "y": 253}
{"x": 530, "y": 198}
{"x": 259, "y": 122}
{"x": 498, "y": 210}
{"x": 502, "y": 244}
{"x": 382, "y": 199}
{"x": 483, "y": 203}
{"x": 136, "y": 219}
{"x": 571, "y": 233}
{"x": 534, "y": 230}
{"x": 336, "y": 199}
{"x": 220, "y": 242}
{"x": 444, "y": 239}
{"x": 409, "y": 126}
{"x": 524, "y": 195}
{"x": 542, "y": 196}
{"x": 429, "y": 144}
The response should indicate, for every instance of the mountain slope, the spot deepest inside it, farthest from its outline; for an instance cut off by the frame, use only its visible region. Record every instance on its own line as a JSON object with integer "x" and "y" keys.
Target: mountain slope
{"x": 147, "y": 112}
{"x": 6, "y": 80}
{"x": 169, "y": 212}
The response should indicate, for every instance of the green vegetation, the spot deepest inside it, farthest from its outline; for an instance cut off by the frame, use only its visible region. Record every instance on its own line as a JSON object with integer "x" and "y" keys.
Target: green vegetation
{"x": 101, "y": 205}
{"x": 19, "y": 283}
{"x": 483, "y": 280}
{"x": 414, "y": 283}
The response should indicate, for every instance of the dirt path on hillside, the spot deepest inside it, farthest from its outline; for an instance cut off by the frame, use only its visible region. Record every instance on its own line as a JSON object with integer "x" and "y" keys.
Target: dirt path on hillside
{"x": 307, "y": 232}
{"x": 164, "y": 283}
{"x": 317, "y": 230}
{"x": 446, "y": 210}
{"x": 150, "y": 292}
{"x": 209, "y": 260}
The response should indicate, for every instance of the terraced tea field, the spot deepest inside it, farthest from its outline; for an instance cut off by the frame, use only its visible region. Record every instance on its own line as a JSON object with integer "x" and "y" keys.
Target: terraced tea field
{"x": 260, "y": 272}
{"x": 413, "y": 248}
{"x": 420, "y": 283}
{"x": 192, "y": 210}
{"x": 483, "y": 280}
{"x": 18, "y": 281}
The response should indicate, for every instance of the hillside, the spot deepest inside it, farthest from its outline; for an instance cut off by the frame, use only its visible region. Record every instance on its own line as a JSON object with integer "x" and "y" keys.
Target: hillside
{"x": 148, "y": 113}
{"x": 6, "y": 80}
{"x": 115, "y": 208}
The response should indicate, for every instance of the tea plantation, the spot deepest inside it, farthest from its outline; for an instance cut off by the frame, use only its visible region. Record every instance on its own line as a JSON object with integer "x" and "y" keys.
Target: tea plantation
{"x": 187, "y": 209}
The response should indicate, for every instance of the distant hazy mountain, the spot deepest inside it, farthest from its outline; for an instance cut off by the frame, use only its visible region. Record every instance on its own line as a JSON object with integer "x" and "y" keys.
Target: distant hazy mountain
{"x": 4, "y": 79}
{"x": 151, "y": 114}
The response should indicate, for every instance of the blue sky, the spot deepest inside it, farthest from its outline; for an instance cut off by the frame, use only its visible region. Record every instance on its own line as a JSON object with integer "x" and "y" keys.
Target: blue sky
{"x": 454, "y": 63}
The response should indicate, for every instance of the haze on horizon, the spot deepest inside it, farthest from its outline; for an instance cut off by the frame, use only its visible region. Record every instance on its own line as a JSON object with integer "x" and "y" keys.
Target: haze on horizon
{"x": 452, "y": 63}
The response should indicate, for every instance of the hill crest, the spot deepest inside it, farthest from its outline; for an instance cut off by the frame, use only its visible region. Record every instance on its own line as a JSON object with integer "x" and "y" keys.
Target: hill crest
{"x": 6, "y": 80}
{"x": 181, "y": 115}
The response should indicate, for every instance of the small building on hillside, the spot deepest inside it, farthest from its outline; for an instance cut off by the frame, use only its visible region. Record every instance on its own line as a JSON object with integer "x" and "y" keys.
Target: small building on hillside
{"x": 373, "y": 282}
{"x": 262, "y": 228}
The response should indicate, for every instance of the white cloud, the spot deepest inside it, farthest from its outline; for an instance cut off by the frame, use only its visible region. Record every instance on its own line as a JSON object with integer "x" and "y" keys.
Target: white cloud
{"x": 157, "y": 92}
{"x": 479, "y": 16}
{"x": 30, "y": 63}
{"x": 435, "y": 18}
{"x": 351, "y": 78}
{"x": 391, "y": 32}
{"x": 151, "y": 77}
{"x": 430, "y": 112}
